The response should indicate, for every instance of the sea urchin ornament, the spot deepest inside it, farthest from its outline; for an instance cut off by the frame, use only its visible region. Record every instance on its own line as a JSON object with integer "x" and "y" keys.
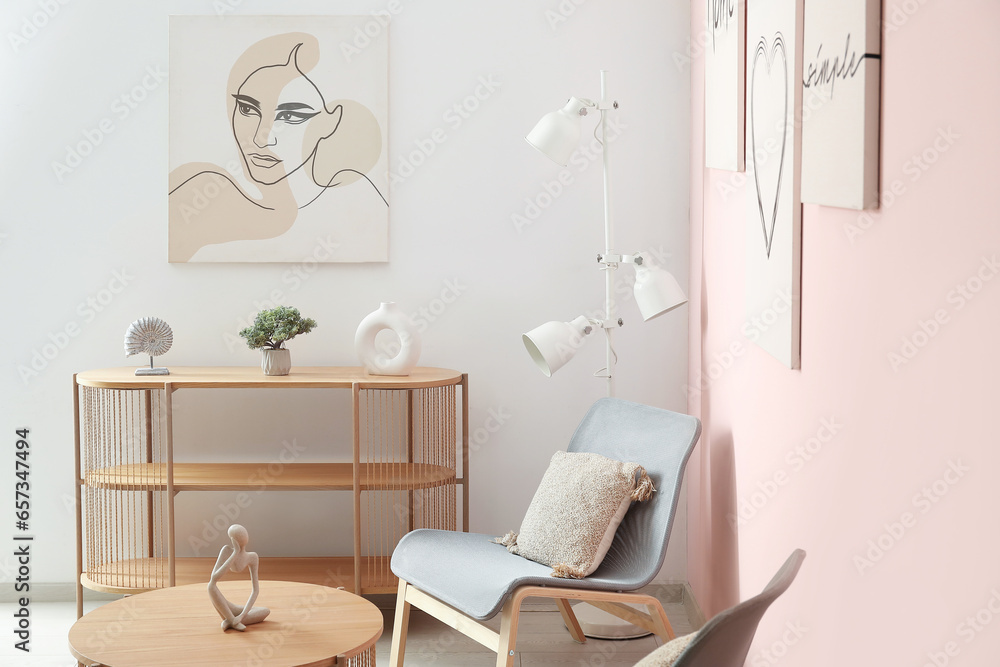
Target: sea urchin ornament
{"x": 152, "y": 336}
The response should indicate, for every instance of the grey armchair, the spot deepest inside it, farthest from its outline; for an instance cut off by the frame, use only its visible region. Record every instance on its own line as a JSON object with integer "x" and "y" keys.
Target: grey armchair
{"x": 463, "y": 578}
{"x": 725, "y": 640}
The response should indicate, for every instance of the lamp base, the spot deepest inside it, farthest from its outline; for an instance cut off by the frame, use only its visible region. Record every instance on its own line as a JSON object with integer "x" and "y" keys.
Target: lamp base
{"x": 599, "y": 624}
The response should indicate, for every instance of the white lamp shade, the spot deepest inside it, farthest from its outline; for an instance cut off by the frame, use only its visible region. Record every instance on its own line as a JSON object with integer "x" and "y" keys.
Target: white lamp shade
{"x": 552, "y": 344}
{"x": 656, "y": 291}
{"x": 557, "y": 134}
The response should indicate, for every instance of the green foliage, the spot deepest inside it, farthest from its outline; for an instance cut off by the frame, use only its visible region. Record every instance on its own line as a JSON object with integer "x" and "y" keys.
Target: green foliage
{"x": 271, "y": 328}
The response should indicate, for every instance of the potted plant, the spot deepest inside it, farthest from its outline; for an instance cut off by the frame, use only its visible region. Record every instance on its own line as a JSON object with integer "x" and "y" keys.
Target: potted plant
{"x": 271, "y": 329}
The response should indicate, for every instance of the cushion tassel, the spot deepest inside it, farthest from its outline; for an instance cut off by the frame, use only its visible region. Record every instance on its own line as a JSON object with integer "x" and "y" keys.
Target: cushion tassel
{"x": 564, "y": 571}
{"x": 509, "y": 540}
{"x": 644, "y": 490}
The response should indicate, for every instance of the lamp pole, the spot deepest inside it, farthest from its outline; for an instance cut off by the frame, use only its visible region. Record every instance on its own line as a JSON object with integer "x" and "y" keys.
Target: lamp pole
{"x": 609, "y": 276}
{"x": 552, "y": 344}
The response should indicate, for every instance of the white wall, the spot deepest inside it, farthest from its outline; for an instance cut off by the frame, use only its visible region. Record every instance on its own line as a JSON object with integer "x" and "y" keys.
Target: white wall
{"x": 62, "y": 241}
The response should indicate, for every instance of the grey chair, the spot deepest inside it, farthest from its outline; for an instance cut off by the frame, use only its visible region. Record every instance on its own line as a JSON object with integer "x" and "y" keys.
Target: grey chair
{"x": 463, "y": 578}
{"x": 725, "y": 640}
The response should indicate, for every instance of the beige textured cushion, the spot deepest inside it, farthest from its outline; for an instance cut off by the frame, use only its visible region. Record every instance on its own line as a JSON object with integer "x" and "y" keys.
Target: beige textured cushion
{"x": 667, "y": 654}
{"x": 575, "y": 512}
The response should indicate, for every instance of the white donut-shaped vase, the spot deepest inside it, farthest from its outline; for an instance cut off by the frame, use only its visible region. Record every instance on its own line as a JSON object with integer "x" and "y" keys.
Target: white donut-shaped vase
{"x": 388, "y": 316}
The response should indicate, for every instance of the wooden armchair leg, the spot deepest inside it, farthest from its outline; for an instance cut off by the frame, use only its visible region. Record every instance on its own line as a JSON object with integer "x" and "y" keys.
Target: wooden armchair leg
{"x": 399, "y": 627}
{"x": 655, "y": 621}
{"x": 661, "y": 623}
{"x": 569, "y": 618}
{"x": 509, "y": 617}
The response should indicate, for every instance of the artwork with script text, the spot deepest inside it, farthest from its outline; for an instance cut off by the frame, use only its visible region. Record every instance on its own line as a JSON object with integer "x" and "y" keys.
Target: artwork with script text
{"x": 725, "y": 77}
{"x": 277, "y": 140}
{"x": 840, "y": 98}
{"x": 774, "y": 209}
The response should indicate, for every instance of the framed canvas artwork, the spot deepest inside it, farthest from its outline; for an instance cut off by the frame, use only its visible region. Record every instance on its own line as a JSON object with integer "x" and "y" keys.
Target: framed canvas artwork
{"x": 840, "y": 98}
{"x": 277, "y": 143}
{"x": 774, "y": 215}
{"x": 725, "y": 77}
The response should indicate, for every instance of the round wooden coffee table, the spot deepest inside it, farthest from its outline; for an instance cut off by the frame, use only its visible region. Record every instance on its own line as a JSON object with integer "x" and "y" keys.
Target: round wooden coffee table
{"x": 309, "y": 625}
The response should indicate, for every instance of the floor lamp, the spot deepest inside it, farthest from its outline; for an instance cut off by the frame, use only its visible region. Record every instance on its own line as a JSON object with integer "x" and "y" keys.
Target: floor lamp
{"x": 553, "y": 344}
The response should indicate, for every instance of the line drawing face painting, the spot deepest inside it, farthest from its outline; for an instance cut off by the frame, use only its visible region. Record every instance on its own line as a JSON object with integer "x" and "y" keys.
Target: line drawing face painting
{"x": 768, "y": 192}
{"x": 300, "y": 156}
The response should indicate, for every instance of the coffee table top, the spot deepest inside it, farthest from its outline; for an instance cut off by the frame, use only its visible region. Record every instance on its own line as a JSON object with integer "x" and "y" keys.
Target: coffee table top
{"x": 309, "y": 626}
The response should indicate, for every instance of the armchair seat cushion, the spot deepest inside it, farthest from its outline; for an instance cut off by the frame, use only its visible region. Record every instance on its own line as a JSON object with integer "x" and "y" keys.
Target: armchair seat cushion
{"x": 469, "y": 572}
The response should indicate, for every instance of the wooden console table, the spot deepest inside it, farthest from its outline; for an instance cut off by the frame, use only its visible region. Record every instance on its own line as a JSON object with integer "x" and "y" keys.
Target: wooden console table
{"x": 411, "y": 443}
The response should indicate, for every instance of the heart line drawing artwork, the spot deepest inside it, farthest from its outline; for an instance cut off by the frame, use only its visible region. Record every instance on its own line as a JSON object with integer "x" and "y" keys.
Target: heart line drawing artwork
{"x": 768, "y": 56}
{"x": 773, "y": 152}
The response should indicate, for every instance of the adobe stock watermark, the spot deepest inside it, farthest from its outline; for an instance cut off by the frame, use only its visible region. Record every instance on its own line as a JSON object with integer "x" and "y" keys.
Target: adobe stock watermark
{"x": 718, "y": 19}
{"x": 454, "y": 118}
{"x": 561, "y": 13}
{"x": 293, "y": 277}
{"x": 915, "y": 167}
{"x": 495, "y": 420}
{"x": 111, "y": 633}
{"x": 208, "y": 191}
{"x": 772, "y": 654}
{"x": 387, "y": 347}
{"x": 621, "y": 293}
{"x": 366, "y": 34}
{"x": 699, "y": 43}
{"x": 971, "y": 627}
{"x": 923, "y": 502}
{"x": 957, "y": 298}
{"x": 223, "y": 7}
{"x": 121, "y": 108}
{"x": 750, "y": 505}
{"x": 550, "y": 191}
{"x": 696, "y": 45}
{"x": 901, "y": 15}
{"x": 261, "y": 479}
{"x": 812, "y": 101}
{"x": 429, "y": 313}
{"x": 299, "y": 612}
{"x": 87, "y": 311}
{"x": 752, "y": 329}
{"x": 623, "y": 290}
{"x": 34, "y": 23}
{"x": 8, "y": 569}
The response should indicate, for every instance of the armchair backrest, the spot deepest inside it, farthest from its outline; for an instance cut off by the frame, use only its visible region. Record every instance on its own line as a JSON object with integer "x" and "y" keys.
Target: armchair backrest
{"x": 659, "y": 440}
{"x": 725, "y": 640}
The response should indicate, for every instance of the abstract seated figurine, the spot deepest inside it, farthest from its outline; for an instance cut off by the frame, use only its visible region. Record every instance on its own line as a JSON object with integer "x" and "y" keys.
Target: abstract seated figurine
{"x": 235, "y": 558}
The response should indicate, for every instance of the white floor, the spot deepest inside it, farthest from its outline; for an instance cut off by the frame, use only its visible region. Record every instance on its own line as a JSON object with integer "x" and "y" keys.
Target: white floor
{"x": 542, "y": 639}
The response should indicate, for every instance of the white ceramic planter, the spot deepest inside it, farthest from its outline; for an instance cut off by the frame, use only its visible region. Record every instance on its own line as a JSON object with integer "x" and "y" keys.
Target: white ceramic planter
{"x": 388, "y": 316}
{"x": 276, "y": 362}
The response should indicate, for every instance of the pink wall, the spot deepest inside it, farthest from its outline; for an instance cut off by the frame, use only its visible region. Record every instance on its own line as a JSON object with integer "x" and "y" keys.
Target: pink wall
{"x": 897, "y": 505}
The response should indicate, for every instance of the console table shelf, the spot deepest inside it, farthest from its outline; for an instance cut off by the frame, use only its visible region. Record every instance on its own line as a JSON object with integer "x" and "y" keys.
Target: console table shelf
{"x": 125, "y": 577}
{"x": 410, "y": 456}
{"x": 294, "y": 477}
